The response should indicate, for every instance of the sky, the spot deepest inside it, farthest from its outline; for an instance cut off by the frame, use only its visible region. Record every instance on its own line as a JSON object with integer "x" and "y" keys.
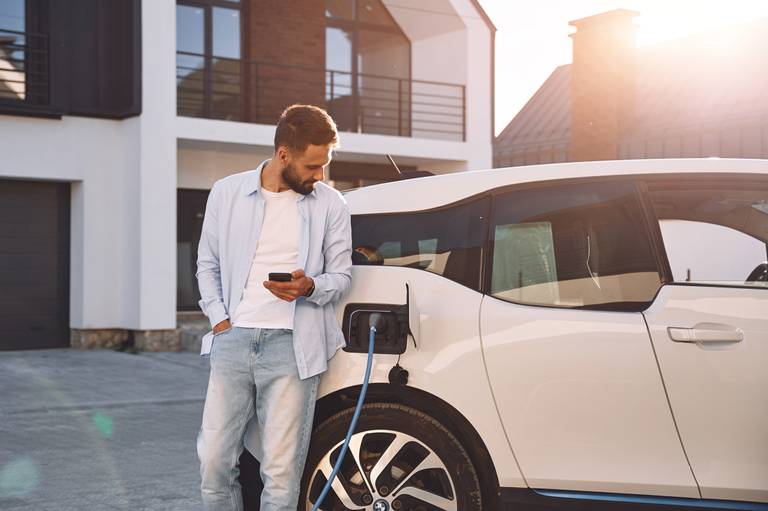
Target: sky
{"x": 543, "y": 25}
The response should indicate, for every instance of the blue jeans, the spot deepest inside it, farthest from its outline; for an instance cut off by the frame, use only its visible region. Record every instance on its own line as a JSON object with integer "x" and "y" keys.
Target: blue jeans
{"x": 254, "y": 370}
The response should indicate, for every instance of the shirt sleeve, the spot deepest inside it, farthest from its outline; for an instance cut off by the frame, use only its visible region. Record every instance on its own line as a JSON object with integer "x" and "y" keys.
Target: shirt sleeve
{"x": 336, "y": 280}
{"x": 208, "y": 268}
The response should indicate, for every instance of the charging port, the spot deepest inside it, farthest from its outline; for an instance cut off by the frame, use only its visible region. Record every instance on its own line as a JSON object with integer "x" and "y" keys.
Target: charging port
{"x": 391, "y": 328}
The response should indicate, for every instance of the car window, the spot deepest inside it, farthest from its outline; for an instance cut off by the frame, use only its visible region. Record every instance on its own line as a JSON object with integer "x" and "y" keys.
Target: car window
{"x": 714, "y": 231}
{"x": 577, "y": 245}
{"x": 446, "y": 241}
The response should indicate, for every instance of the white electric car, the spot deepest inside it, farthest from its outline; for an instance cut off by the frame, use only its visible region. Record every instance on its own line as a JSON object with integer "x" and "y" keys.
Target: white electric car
{"x": 567, "y": 336}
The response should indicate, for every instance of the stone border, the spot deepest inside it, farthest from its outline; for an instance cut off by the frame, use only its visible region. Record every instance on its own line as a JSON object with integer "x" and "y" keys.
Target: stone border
{"x": 114, "y": 338}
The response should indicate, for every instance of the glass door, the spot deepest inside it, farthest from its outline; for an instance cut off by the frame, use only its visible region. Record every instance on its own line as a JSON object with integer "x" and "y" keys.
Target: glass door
{"x": 191, "y": 210}
{"x": 368, "y": 68}
{"x": 209, "y": 70}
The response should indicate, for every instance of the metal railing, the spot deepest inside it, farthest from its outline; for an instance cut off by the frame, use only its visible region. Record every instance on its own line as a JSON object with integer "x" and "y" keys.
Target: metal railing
{"x": 23, "y": 68}
{"x": 237, "y": 90}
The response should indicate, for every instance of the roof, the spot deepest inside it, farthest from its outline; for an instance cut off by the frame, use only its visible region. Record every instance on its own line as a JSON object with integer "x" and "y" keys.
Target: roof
{"x": 434, "y": 191}
{"x": 547, "y": 115}
{"x": 484, "y": 15}
{"x": 714, "y": 78}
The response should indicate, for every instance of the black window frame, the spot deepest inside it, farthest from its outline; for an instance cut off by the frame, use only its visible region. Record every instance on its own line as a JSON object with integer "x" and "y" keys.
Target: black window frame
{"x": 477, "y": 198}
{"x": 354, "y": 26}
{"x": 653, "y": 236}
{"x": 648, "y": 220}
{"x": 36, "y": 33}
{"x": 653, "y": 220}
{"x": 208, "y": 56}
{"x": 186, "y": 199}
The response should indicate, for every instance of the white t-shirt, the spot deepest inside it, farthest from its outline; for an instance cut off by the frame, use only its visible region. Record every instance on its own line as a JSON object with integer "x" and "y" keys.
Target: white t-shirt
{"x": 277, "y": 250}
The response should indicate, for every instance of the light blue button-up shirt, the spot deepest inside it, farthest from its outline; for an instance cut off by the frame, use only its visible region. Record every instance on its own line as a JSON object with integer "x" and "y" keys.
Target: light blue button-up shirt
{"x": 231, "y": 227}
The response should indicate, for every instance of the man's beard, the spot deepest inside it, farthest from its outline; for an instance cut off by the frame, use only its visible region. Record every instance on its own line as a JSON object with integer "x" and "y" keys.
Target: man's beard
{"x": 292, "y": 179}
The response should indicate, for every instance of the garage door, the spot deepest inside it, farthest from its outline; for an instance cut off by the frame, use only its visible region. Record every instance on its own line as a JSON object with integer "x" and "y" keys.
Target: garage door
{"x": 34, "y": 265}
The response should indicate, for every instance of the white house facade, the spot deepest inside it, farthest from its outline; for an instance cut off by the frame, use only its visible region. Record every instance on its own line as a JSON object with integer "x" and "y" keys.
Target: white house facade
{"x": 116, "y": 119}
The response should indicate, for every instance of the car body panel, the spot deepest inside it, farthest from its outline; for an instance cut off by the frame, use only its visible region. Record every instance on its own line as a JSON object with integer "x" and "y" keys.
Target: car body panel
{"x": 430, "y": 192}
{"x": 582, "y": 401}
{"x": 597, "y": 424}
{"x": 718, "y": 390}
{"x": 448, "y": 362}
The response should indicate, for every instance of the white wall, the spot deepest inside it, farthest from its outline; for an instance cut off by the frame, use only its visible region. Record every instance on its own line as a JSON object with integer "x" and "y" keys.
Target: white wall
{"x": 450, "y": 42}
{"x": 123, "y": 192}
{"x": 479, "y": 100}
{"x": 153, "y": 291}
{"x": 125, "y": 174}
{"x": 98, "y": 158}
{"x": 438, "y": 39}
{"x": 201, "y": 165}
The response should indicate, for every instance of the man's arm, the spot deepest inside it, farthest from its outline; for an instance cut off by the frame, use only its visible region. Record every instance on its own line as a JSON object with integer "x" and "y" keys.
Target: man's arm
{"x": 208, "y": 269}
{"x": 337, "y": 250}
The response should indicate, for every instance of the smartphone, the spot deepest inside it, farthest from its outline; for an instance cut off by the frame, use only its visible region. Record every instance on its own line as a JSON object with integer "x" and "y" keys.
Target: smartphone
{"x": 280, "y": 277}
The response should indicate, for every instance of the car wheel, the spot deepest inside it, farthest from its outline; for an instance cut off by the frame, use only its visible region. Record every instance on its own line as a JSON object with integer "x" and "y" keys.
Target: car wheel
{"x": 399, "y": 459}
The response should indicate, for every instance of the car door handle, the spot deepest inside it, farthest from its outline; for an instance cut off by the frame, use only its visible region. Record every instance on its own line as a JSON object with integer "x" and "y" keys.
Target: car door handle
{"x": 704, "y": 335}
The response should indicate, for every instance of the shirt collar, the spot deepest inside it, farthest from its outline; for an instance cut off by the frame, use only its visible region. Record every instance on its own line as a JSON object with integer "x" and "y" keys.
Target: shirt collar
{"x": 253, "y": 184}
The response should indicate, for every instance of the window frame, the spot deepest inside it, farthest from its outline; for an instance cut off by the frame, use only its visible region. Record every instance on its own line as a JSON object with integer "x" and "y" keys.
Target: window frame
{"x": 208, "y": 56}
{"x": 653, "y": 238}
{"x": 714, "y": 178}
{"x": 648, "y": 220}
{"x": 354, "y": 26}
{"x": 479, "y": 197}
{"x": 37, "y": 36}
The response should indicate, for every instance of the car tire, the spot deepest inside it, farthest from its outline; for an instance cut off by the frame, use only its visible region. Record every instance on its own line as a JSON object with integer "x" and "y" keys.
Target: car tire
{"x": 409, "y": 460}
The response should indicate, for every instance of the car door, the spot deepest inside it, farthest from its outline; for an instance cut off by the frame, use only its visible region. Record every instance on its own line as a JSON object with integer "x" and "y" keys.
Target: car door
{"x": 570, "y": 268}
{"x": 710, "y": 327}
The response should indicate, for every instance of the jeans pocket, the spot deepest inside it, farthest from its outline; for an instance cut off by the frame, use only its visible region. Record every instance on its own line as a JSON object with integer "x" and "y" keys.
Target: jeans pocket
{"x": 217, "y": 334}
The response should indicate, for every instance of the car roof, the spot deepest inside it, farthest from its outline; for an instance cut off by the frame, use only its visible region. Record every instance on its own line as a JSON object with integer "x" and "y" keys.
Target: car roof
{"x": 434, "y": 191}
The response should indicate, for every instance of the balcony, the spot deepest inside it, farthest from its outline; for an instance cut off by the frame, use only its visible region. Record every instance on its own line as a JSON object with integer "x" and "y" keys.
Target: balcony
{"x": 257, "y": 92}
{"x": 23, "y": 71}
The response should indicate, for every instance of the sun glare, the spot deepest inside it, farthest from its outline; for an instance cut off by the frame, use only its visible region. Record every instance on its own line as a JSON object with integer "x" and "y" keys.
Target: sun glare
{"x": 679, "y": 18}
{"x": 532, "y": 38}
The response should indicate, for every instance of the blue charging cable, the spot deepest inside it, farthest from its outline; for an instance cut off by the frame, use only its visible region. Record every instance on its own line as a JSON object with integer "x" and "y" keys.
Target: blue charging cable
{"x": 352, "y": 425}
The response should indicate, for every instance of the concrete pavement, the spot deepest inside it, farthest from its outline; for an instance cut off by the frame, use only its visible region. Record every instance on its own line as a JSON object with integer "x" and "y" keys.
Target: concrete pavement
{"x": 100, "y": 429}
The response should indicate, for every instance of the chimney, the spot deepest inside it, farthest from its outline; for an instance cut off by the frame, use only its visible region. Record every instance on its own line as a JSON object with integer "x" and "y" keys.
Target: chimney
{"x": 602, "y": 84}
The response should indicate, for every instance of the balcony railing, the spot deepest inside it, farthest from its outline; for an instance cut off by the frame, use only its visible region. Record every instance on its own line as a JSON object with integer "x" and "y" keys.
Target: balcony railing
{"x": 23, "y": 68}
{"x": 237, "y": 90}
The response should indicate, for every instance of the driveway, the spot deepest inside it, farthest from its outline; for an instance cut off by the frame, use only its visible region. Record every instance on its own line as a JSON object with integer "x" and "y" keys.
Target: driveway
{"x": 100, "y": 429}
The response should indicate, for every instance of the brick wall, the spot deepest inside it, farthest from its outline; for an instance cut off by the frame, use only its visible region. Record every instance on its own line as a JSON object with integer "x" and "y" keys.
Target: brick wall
{"x": 287, "y": 41}
{"x": 602, "y": 84}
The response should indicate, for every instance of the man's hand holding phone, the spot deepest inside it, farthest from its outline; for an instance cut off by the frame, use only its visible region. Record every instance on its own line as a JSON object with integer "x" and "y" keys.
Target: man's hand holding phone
{"x": 290, "y": 289}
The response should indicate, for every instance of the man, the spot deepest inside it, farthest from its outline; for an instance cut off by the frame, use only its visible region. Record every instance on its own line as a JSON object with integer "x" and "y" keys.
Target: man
{"x": 271, "y": 340}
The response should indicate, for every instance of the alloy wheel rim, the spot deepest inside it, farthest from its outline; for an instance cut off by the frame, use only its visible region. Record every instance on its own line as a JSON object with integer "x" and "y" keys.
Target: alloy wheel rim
{"x": 384, "y": 470}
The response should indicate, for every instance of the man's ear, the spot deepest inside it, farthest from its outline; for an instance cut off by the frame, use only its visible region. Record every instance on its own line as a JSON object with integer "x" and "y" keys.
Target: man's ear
{"x": 283, "y": 154}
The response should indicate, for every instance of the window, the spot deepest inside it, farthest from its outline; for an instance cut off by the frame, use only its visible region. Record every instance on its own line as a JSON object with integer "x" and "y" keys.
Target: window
{"x": 23, "y": 53}
{"x": 579, "y": 245}
{"x": 444, "y": 241}
{"x": 189, "y": 224}
{"x": 368, "y": 63}
{"x": 208, "y": 59}
{"x": 714, "y": 230}
{"x": 12, "y": 50}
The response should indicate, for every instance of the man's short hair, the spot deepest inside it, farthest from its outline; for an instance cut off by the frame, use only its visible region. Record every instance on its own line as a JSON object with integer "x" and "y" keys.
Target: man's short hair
{"x": 302, "y": 125}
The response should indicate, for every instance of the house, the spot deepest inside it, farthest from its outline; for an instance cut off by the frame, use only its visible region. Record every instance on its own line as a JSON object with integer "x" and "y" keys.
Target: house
{"x": 117, "y": 117}
{"x": 705, "y": 95}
